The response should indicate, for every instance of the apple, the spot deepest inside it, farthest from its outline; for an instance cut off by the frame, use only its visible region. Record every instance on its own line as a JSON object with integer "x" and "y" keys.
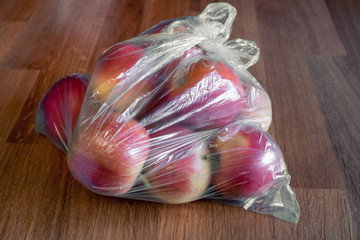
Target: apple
{"x": 108, "y": 155}
{"x": 250, "y": 161}
{"x": 160, "y": 79}
{"x": 112, "y": 76}
{"x": 209, "y": 94}
{"x": 60, "y": 107}
{"x": 177, "y": 169}
{"x": 203, "y": 95}
{"x": 174, "y": 65}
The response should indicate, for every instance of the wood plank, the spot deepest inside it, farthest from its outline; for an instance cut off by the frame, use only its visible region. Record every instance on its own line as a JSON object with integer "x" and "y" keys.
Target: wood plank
{"x": 9, "y": 31}
{"x": 297, "y": 119}
{"x": 325, "y": 214}
{"x": 301, "y": 26}
{"x": 32, "y": 178}
{"x": 156, "y": 11}
{"x": 17, "y": 10}
{"x": 15, "y": 81}
{"x": 345, "y": 15}
{"x": 340, "y": 104}
{"x": 59, "y": 35}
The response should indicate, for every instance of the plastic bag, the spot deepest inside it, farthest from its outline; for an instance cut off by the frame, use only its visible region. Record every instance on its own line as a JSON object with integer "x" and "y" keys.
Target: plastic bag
{"x": 173, "y": 116}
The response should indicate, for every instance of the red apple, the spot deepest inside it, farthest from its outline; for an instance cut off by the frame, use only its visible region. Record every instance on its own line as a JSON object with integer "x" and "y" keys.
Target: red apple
{"x": 160, "y": 77}
{"x": 204, "y": 95}
{"x": 108, "y": 155}
{"x": 112, "y": 76}
{"x": 250, "y": 161}
{"x": 60, "y": 108}
{"x": 177, "y": 169}
{"x": 173, "y": 66}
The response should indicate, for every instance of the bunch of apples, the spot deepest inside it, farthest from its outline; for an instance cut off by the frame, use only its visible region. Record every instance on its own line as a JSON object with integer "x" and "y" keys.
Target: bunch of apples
{"x": 174, "y": 131}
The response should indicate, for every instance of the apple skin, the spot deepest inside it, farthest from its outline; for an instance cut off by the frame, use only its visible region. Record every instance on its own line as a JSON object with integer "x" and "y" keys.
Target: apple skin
{"x": 250, "y": 161}
{"x": 160, "y": 79}
{"x": 171, "y": 67}
{"x": 108, "y": 155}
{"x": 177, "y": 168}
{"x": 60, "y": 108}
{"x": 113, "y": 68}
{"x": 206, "y": 95}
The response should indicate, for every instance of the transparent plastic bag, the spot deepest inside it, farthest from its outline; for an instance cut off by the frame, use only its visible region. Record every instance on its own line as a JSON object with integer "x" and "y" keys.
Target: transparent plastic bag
{"x": 172, "y": 115}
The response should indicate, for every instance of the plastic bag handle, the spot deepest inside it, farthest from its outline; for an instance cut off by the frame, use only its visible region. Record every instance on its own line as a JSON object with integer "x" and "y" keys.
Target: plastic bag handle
{"x": 215, "y": 23}
{"x": 223, "y": 14}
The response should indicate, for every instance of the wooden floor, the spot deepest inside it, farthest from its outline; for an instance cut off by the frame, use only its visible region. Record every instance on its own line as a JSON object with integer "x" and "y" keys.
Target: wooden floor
{"x": 310, "y": 66}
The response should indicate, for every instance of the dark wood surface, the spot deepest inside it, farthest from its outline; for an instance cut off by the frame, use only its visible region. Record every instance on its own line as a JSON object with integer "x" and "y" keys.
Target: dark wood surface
{"x": 309, "y": 65}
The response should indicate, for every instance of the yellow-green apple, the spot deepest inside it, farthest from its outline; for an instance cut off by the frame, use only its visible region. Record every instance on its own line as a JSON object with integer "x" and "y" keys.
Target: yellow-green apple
{"x": 107, "y": 156}
{"x": 177, "y": 169}
{"x": 250, "y": 161}
{"x": 59, "y": 109}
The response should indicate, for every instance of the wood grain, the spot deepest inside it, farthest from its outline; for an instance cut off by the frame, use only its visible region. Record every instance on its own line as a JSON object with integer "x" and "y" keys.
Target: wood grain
{"x": 17, "y": 10}
{"x": 8, "y": 33}
{"x": 309, "y": 65}
{"x": 55, "y": 33}
{"x": 338, "y": 93}
{"x": 345, "y": 15}
{"x": 16, "y": 88}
